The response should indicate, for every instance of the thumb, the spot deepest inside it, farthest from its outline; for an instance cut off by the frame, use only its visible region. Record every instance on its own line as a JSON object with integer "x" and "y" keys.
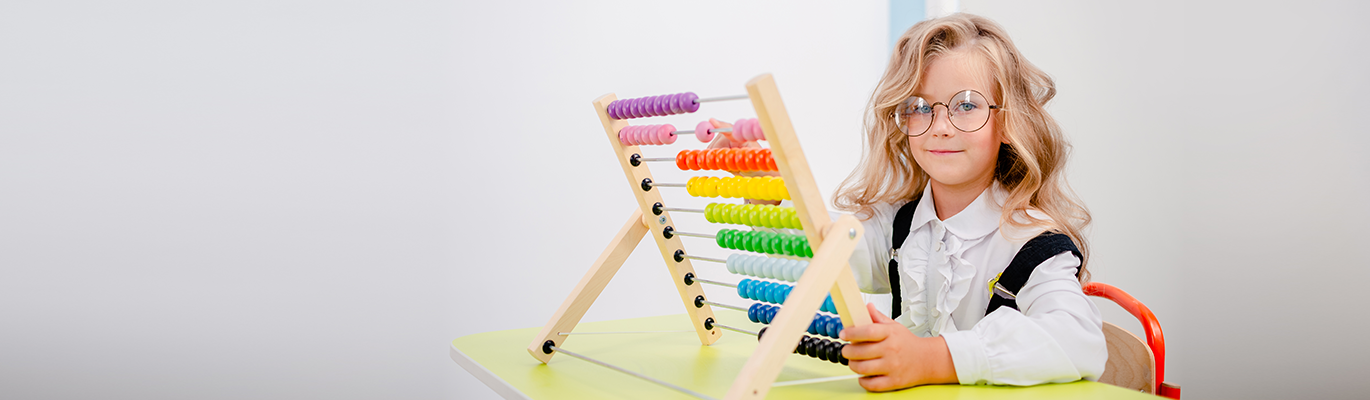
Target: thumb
{"x": 877, "y": 316}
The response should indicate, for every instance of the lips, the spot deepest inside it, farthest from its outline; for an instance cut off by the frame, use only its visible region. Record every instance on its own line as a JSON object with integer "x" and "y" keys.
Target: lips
{"x": 944, "y": 152}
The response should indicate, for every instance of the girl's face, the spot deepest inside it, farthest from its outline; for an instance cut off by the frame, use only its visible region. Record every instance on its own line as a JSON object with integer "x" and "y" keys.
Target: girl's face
{"x": 953, "y": 158}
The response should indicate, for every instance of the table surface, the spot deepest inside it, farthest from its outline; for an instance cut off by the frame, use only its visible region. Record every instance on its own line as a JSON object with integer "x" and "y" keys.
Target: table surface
{"x": 501, "y": 361}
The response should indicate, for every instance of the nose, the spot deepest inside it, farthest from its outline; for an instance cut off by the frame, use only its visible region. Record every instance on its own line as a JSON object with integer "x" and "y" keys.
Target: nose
{"x": 941, "y": 122}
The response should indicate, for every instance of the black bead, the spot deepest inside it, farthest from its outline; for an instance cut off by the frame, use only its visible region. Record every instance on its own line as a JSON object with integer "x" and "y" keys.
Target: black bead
{"x": 668, "y": 232}
{"x": 803, "y": 343}
{"x": 760, "y": 333}
{"x": 635, "y": 159}
{"x": 832, "y": 352}
{"x": 679, "y": 255}
{"x": 841, "y": 358}
{"x": 823, "y": 348}
{"x": 656, "y": 208}
{"x": 812, "y": 350}
{"x": 646, "y": 184}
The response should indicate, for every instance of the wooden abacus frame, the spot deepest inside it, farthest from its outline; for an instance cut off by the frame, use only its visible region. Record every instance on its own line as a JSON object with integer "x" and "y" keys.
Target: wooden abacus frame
{"x": 832, "y": 243}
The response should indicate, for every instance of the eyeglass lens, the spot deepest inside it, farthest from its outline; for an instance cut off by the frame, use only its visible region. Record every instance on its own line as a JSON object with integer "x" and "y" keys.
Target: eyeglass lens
{"x": 968, "y": 110}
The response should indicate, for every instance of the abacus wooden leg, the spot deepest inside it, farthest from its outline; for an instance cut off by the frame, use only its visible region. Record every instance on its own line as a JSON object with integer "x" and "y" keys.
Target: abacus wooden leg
{"x": 590, "y": 286}
{"x": 829, "y": 262}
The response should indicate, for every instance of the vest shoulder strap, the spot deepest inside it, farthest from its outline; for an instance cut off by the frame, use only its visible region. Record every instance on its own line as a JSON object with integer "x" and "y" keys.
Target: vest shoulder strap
{"x": 902, "y": 219}
{"x": 1041, "y": 248}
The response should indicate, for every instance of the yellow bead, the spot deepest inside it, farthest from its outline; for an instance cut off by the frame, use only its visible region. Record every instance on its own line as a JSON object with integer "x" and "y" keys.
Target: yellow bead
{"x": 710, "y": 187}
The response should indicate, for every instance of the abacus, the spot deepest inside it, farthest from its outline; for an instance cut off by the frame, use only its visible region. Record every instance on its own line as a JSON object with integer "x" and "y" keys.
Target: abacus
{"x": 796, "y": 272}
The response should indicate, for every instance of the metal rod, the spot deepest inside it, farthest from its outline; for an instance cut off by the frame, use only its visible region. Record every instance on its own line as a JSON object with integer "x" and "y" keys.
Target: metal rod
{"x": 717, "y": 130}
{"x": 654, "y": 184}
{"x": 720, "y": 261}
{"x": 722, "y": 305}
{"x": 716, "y": 282}
{"x": 645, "y": 377}
{"x": 722, "y": 98}
{"x": 698, "y": 235}
{"x": 607, "y": 333}
{"x": 814, "y": 380}
{"x": 736, "y": 329}
{"x": 657, "y": 159}
{"x": 693, "y": 210}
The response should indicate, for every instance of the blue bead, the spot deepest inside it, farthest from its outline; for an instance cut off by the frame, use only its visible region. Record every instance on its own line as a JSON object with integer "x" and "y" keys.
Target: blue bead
{"x": 770, "y": 313}
{"x": 766, "y": 289}
{"x": 755, "y": 291}
{"x": 813, "y": 327}
{"x": 837, "y": 331}
{"x": 828, "y": 306}
{"x": 742, "y": 288}
{"x": 751, "y": 312}
{"x": 785, "y": 293}
{"x": 830, "y": 327}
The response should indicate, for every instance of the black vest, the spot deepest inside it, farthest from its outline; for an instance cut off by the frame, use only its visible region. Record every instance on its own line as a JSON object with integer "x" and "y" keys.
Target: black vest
{"x": 1033, "y": 253}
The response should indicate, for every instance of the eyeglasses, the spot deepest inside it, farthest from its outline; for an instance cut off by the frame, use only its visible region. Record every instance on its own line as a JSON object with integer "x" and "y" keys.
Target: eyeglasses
{"x": 968, "y": 111}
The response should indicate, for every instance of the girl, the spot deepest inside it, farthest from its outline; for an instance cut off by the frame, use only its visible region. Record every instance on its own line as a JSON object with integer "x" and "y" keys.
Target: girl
{"x": 987, "y": 278}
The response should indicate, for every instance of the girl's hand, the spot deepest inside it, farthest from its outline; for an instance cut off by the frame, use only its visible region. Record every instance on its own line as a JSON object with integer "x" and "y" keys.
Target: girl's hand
{"x": 893, "y": 358}
{"x": 725, "y": 141}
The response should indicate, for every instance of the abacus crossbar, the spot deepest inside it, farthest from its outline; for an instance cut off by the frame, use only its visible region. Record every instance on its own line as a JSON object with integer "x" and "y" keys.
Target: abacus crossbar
{"x": 616, "y": 368}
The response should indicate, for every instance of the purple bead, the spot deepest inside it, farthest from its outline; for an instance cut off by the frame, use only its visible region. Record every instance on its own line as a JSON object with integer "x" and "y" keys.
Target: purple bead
{"x": 632, "y": 108}
{"x": 689, "y": 103}
{"x": 673, "y": 101}
{"x": 662, "y": 108}
{"x": 614, "y": 108}
{"x": 656, "y": 106}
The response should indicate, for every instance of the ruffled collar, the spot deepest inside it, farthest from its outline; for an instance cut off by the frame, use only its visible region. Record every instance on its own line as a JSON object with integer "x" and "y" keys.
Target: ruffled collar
{"x": 931, "y": 259}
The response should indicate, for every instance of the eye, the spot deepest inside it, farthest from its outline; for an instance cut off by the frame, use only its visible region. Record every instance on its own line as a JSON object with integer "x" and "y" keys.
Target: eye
{"x": 922, "y": 109}
{"x": 966, "y": 107}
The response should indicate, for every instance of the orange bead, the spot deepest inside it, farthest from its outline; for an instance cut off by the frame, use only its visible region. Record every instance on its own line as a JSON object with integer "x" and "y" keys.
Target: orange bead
{"x": 706, "y": 160}
{"x": 749, "y": 159}
{"x": 770, "y": 162}
{"x": 680, "y": 160}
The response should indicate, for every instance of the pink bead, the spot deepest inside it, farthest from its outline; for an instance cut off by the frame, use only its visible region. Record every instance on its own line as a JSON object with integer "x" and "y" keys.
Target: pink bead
{"x": 739, "y": 132}
{"x": 702, "y": 132}
{"x": 666, "y": 134}
{"x": 641, "y": 135}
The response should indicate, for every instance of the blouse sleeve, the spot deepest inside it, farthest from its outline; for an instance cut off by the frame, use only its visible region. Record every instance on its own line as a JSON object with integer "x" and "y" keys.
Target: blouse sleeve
{"x": 1058, "y": 336}
{"x": 870, "y": 260}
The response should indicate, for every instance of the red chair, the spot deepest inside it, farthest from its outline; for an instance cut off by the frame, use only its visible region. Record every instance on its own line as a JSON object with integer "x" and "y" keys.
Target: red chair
{"x": 1130, "y": 364}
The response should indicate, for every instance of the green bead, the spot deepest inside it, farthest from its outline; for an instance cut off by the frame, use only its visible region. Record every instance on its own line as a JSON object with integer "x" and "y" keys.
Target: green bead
{"x": 709, "y": 213}
{"x": 733, "y": 214}
{"x": 794, "y": 221}
{"x": 773, "y": 219}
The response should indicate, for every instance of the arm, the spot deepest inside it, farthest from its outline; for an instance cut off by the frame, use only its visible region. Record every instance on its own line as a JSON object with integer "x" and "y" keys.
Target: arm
{"x": 1057, "y": 337}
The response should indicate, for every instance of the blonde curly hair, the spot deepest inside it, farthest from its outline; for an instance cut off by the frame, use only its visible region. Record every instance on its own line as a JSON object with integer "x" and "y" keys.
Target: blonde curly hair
{"x": 1031, "y": 163}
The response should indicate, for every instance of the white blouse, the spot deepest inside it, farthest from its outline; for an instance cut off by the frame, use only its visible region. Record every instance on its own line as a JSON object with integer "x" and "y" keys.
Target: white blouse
{"x": 945, "y": 268}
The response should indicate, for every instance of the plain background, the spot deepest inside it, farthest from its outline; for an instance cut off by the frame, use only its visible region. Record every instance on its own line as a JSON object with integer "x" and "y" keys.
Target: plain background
{"x": 311, "y": 199}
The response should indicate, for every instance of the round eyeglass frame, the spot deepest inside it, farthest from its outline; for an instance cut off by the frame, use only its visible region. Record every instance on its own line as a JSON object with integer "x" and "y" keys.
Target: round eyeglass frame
{"x": 904, "y": 128}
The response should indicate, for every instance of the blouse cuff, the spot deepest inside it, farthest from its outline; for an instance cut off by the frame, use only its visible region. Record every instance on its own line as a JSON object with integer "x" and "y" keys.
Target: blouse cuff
{"x": 968, "y": 357}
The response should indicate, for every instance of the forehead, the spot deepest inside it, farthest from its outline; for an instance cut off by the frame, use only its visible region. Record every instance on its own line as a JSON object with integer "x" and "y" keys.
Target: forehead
{"x": 955, "y": 71}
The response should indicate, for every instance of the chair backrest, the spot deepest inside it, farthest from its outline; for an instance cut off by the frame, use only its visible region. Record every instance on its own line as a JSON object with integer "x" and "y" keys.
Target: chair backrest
{"x": 1130, "y": 362}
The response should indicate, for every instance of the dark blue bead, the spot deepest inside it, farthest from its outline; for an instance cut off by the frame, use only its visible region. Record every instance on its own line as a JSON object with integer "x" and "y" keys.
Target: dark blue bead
{"x": 751, "y": 312}
{"x": 813, "y": 327}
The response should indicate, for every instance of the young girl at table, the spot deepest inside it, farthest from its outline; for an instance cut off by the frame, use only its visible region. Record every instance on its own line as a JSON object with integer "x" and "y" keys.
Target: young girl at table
{"x": 963, "y": 161}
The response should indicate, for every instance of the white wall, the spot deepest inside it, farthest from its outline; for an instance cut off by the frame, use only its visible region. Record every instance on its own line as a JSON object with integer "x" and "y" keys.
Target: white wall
{"x": 312, "y": 199}
{"x": 1220, "y": 146}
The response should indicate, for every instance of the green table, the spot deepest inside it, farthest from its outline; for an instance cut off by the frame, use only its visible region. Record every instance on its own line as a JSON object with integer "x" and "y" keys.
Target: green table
{"x": 499, "y": 359}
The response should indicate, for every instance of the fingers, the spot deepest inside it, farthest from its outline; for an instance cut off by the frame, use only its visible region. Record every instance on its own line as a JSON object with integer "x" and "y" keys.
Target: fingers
{"x": 877, "y": 316}
{"x": 863, "y": 351}
{"x": 879, "y": 383}
{"x": 866, "y": 333}
{"x": 878, "y": 366}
